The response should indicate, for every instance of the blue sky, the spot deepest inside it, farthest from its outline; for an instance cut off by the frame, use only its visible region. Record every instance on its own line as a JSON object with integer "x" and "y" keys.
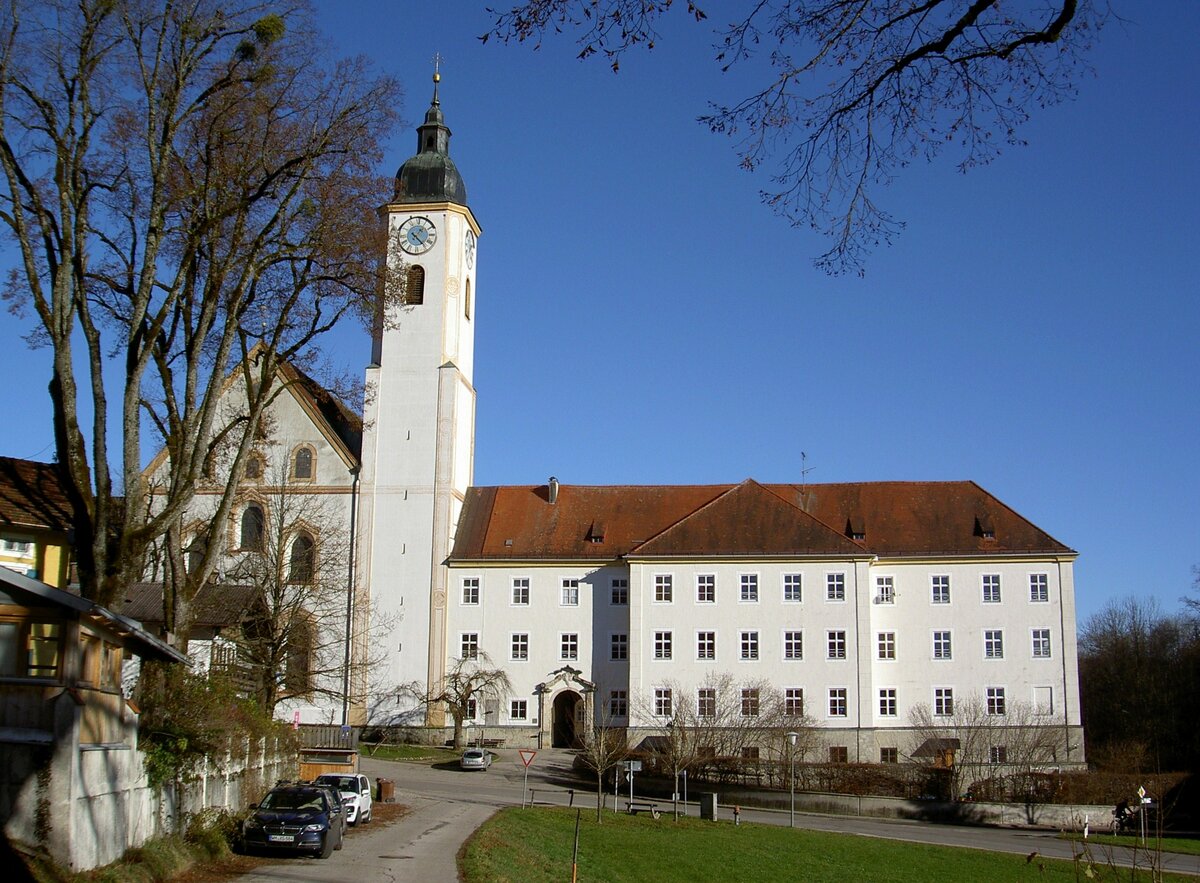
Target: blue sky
{"x": 642, "y": 318}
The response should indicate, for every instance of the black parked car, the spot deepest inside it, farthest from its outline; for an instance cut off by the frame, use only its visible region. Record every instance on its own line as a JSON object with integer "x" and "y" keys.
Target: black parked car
{"x": 304, "y": 817}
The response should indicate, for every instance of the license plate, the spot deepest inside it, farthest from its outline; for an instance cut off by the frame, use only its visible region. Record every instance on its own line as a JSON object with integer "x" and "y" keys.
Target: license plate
{"x": 280, "y": 838}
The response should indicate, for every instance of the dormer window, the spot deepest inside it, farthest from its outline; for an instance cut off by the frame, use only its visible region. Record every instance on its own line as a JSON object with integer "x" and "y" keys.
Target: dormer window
{"x": 984, "y": 527}
{"x": 596, "y": 532}
{"x": 856, "y": 527}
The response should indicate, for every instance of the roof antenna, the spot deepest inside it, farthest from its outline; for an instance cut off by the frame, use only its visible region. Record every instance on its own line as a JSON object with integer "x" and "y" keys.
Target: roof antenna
{"x": 804, "y": 470}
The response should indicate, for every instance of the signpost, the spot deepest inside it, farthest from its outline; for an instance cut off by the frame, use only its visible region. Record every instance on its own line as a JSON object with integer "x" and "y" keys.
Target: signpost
{"x": 527, "y": 756}
{"x": 631, "y": 767}
{"x": 1144, "y": 809}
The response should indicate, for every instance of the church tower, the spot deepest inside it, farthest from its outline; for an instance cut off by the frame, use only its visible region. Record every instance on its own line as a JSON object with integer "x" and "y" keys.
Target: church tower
{"x": 419, "y": 416}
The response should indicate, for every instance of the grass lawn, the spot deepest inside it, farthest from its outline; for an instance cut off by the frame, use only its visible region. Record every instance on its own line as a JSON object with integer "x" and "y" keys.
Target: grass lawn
{"x": 1168, "y": 844}
{"x": 425, "y": 753}
{"x": 532, "y": 845}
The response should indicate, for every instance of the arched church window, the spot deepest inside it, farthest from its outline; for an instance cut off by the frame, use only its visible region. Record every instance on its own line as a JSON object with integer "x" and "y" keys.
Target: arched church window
{"x": 253, "y": 523}
{"x": 195, "y": 552}
{"x": 300, "y": 561}
{"x": 414, "y": 290}
{"x": 302, "y": 464}
{"x": 467, "y": 301}
{"x": 254, "y": 467}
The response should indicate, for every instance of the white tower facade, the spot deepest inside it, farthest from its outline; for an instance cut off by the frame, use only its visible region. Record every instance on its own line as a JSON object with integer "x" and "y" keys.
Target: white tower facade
{"x": 419, "y": 420}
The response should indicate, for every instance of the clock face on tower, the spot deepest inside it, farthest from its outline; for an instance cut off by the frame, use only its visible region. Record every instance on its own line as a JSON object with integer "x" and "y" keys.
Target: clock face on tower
{"x": 469, "y": 248}
{"x": 417, "y": 235}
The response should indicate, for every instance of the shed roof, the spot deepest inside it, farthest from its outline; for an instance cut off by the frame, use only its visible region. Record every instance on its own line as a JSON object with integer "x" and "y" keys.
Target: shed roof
{"x": 32, "y": 495}
{"x": 29, "y": 592}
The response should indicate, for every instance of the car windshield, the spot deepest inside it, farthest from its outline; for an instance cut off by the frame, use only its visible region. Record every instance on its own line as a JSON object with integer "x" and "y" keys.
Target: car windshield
{"x": 342, "y": 783}
{"x": 474, "y": 752}
{"x": 293, "y": 800}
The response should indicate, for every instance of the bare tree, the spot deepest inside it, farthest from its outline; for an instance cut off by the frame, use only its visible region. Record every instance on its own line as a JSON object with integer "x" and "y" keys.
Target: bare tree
{"x": 469, "y": 679}
{"x": 187, "y": 183}
{"x": 979, "y": 738}
{"x": 295, "y": 642}
{"x": 601, "y": 750}
{"x": 728, "y": 723}
{"x": 1139, "y": 669}
{"x": 854, "y": 90}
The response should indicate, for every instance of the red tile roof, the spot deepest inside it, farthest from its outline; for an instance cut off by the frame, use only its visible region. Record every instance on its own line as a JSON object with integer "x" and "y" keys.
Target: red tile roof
{"x": 901, "y": 519}
{"x": 31, "y": 495}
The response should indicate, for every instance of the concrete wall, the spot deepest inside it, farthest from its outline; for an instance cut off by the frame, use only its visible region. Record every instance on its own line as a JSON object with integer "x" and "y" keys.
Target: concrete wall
{"x": 87, "y": 806}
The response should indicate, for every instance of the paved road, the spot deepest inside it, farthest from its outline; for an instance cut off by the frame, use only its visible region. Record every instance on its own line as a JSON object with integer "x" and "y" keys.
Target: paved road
{"x": 448, "y": 805}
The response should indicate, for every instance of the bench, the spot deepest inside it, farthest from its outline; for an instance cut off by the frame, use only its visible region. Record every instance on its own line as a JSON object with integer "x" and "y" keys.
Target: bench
{"x": 634, "y": 807}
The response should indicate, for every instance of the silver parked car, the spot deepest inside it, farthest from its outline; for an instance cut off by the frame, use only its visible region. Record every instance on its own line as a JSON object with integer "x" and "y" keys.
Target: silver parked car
{"x": 355, "y": 791}
{"x": 476, "y": 759}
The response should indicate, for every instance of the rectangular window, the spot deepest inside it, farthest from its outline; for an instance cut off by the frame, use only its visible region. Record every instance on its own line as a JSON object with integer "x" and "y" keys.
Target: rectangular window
{"x": 991, "y": 588}
{"x": 793, "y": 702}
{"x": 110, "y": 665}
{"x": 835, "y": 587}
{"x": 837, "y": 644}
{"x": 1041, "y": 643}
{"x": 837, "y": 702}
{"x": 993, "y": 644}
{"x": 793, "y": 588}
{"x": 889, "y": 755}
{"x": 618, "y": 703}
{"x": 706, "y": 588}
{"x": 706, "y": 702}
{"x": 520, "y": 646}
{"x": 470, "y": 587}
{"x": 749, "y": 587}
{"x": 662, "y": 702}
{"x": 664, "y": 591}
{"x": 520, "y": 591}
{"x": 620, "y": 647}
{"x": 939, "y": 588}
{"x": 998, "y": 754}
{"x": 793, "y": 645}
{"x": 885, "y": 590}
{"x": 941, "y": 645}
{"x": 706, "y": 645}
{"x": 749, "y": 645}
{"x": 887, "y": 702}
{"x": 472, "y": 709}
{"x": 887, "y": 645}
{"x": 750, "y": 752}
{"x": 1039, "y": 588}
{"x": 662, "y": 645}
{"x": 943, "y": 701}
{"x": 569, "y": 646}
{"x": 839, "y": 754}
{"x": 570, "y": 593}
{"x": 995, "y": 700}
{"x": 518, "y": 710}
{"x": 470, "y": 645}
{"x": 750, "y": 702}
{"x": 620, "y": 591}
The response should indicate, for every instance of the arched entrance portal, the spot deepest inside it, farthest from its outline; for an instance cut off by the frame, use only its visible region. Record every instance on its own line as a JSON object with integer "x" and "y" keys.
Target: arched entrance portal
{"x": 566, "y": 710}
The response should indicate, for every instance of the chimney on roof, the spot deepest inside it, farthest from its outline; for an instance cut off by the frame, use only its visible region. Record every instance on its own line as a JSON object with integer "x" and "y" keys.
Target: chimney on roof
{"x": 552, "y": 485}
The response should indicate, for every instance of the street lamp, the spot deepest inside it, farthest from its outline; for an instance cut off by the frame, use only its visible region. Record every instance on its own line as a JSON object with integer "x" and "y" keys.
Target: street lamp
{"x": 792, "y": 737}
